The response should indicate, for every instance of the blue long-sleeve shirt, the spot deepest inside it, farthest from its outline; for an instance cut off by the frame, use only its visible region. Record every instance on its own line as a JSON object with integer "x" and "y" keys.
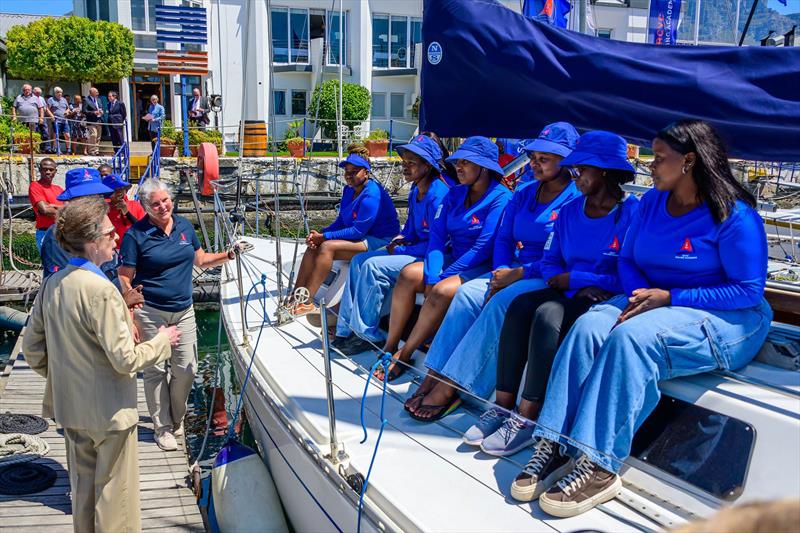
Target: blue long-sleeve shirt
{"x": 371, "y": 213}
{"x": 703, "y": 264}
{"x": 470, "y": 231}
{"x": 588, "y": 248}
{"x": 416, "y": 232}
{"x": 526, "y": 225}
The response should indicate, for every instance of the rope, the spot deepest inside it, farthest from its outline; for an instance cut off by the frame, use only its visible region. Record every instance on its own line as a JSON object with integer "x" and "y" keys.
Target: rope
{"x": 20, "y": 448}
{"x": 384, "y": 361}
{"x": 28, "y": 424}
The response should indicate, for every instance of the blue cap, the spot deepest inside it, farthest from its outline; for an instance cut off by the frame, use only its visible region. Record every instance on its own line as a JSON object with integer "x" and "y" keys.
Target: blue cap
{"x": 558, "y": 138}
{"x": 357, "y": 160}
{"x": 601, "y": 149}
{"x": 83, "y": 182}
{"x": 478, "y": 150}
{"x": 114, "y": 182}
{"x": 425, "y": 147}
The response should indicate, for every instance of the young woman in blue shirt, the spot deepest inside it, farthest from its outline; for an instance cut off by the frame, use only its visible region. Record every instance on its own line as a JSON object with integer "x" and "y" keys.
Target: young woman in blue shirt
{"x": 373, "y": 274}
{"x": 527, "y": 221}
{"x": 367, "y": 220}
{"x": 459, "y": 249}
{"x": 580, "y": 266}
{"x": 693, "y": 267}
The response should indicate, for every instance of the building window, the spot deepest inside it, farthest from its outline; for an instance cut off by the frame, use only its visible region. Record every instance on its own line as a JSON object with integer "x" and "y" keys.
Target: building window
{"x": 143, "y": 18}
{"x": 298, "y": 34}
{"x": 298, "y": 102}
{"x": 393, "y": 41}
{"x": 333, "y": 38}
{"x": 279, "y": 99}
{"x": 604, "y": 33}
{"x": 143, "y": 41}
{"x": 380, "y": 41}
{"x": 280, "y": 35}
{"x": 97, "y": 10}
{"x": 398, "y": 105}
{"x": 293, "y": 29}
{"x": 378, "y": 105}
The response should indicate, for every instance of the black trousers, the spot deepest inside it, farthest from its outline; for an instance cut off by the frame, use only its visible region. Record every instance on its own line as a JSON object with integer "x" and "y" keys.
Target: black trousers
{"x": 117, "y": 136}
{"x": 535, "y": 325}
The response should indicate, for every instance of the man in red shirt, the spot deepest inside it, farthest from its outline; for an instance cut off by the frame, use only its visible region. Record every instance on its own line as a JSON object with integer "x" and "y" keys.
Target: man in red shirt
{"x": 122, "y": 212}
{"x": 43, "y": 197}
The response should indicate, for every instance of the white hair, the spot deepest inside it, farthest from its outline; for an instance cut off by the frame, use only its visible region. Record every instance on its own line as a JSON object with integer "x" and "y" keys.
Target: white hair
{"x": 149, "y": 188}
{"x": 57, "y": 90}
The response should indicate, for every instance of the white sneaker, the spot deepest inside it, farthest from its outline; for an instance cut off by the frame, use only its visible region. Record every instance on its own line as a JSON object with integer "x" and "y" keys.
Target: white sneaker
{"x": 165, "y": 440}
{"x": 177, "y": 430}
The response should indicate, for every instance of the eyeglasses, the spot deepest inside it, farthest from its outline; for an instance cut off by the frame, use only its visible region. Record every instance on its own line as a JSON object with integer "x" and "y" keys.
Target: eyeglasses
{"x": 109, "y": 232}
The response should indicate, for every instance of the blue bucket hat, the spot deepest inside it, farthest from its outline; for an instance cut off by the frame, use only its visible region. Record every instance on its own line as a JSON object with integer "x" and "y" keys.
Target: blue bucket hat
{"x": 478, "y": 150}
{"x": 425, "y": 147}
{"x": 601, "y": 149}
{"x": 357, "y": 160}
{"x": 83, "y": 182}
{"x": 114, "y": 182}
{"x": 558, "y": 138}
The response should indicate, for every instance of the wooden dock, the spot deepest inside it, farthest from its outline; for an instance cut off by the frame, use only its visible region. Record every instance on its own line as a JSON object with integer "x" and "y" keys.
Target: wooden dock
{"x": 167, "y": 503}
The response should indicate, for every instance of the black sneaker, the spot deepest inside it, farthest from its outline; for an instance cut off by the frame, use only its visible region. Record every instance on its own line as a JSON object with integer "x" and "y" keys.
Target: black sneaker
{"x": 587, "y": 486}
{"x": 547, "y": 465}
{"x": 356, "y": 345}
{"x": 338, "y": 341}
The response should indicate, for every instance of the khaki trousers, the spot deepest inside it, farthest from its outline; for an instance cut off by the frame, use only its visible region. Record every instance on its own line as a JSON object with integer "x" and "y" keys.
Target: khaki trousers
{"x": 95, "y": 132}
{"x": 167, "y": 385}
{"x": 104, "y": 477}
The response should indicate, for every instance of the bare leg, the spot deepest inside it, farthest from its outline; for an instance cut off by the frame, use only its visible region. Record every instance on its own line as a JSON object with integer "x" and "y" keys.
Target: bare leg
{"x": 327, "y": 253}
{"x": 441, "y": 395}
{"x": 424, "y": 388}
{"x": 506, "y": 400}
{"x": 530, "y": 409}
{"x": 410, "y": 281}
{"x": 306, "y": 266}
{"x": 430, "y": 317}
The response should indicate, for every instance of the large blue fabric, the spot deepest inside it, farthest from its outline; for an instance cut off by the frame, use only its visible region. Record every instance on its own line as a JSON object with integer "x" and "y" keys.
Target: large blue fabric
{"x": 490, "y": 71}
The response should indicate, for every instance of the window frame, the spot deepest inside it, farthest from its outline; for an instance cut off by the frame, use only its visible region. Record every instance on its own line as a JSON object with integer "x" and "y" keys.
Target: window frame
{"x": 149, "y": 30}
{"x": 372, "y": 107}
{"x": 293, "y": 92}
{"x": 326, "y": 43}
{"x": 391, "y": 112}
{"x": 409, "y": 40}
{"x": 274, "y": 106}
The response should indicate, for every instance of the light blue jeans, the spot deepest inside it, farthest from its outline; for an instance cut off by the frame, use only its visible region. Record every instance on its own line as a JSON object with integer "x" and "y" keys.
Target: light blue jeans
{"x": 465, "y": 347}
{"x": 40, "y": 233}
{"x": 371, "y": 278}
{"x": 604, "y": 382}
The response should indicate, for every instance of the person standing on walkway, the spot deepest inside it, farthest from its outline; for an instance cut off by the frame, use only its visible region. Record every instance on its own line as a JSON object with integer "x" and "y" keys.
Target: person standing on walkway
{"x": 59, "y": 107}
{"x": 94, "y": 116}
{"x": 158, "y": 253}
{"x": 156, "y": 113}
{"x": 43, "y": 195}
{"x": 27, "y": 108}
{"x": 79, "y": 338}
{"x": 116, "y": 117}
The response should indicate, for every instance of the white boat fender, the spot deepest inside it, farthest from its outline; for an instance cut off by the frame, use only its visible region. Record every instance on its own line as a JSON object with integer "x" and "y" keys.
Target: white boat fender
{"x": 245, "y": 498}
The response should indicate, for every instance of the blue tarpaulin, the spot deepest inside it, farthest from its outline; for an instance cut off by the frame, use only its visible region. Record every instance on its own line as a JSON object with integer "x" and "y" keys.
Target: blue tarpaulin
{"x": 490, "y": 71}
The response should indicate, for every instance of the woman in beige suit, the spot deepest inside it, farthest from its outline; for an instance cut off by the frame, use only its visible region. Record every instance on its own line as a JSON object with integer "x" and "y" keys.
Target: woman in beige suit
{"x": 79, "y": 338}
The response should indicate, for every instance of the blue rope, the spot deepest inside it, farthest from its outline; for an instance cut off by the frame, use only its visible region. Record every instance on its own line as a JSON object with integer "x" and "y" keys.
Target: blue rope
{"x": 263, "y": 283}
{"x": 385, "y": 360}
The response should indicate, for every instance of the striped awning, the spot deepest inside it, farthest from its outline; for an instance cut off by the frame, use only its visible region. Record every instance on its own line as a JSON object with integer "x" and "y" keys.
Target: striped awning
{"x": 178, "y": 62}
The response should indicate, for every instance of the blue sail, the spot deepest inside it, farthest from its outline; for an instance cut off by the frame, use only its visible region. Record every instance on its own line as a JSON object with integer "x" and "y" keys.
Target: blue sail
{"x": 490, "y": 71}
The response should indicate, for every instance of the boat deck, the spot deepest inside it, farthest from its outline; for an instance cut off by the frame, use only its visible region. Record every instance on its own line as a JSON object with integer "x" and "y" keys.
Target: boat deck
{"x": 166, "y": 502}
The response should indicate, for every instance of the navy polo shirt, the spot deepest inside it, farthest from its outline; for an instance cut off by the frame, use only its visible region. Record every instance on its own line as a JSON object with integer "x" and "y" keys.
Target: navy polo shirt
{"x": 163, "y": 262}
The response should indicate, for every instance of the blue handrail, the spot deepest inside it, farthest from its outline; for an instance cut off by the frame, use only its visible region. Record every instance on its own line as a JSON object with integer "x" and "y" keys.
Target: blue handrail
{"x": 121, "y": 162}
{"x": 153, "y": 169}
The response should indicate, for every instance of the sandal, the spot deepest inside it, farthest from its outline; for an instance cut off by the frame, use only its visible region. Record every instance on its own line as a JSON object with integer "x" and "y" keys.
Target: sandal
{"x": 303, "y": 309}
{"x": 398, "y": 369}
{"x": 414, "y": 400}
{"x": 443, "y": 410}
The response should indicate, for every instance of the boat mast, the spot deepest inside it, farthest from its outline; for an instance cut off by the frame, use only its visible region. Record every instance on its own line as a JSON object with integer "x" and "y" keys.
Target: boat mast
{"x": 340, "y": 118}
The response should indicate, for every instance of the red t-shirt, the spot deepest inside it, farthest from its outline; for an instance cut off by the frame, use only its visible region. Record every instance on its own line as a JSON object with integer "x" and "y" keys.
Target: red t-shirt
{"x": 503, "y": 160}
{"x": 122, "y": 223}
{"x": 47, "y": 194}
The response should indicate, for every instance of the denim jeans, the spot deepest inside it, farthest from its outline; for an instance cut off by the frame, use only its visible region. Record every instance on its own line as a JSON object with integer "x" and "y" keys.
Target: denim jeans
{"x": 371, "y": 279}
{"x": 40, "y": 233}
{"x": 604, "y": 382}
{"x": 465, "y": 347}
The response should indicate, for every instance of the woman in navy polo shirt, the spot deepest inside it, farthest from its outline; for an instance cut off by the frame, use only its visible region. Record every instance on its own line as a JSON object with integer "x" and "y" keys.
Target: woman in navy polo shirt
{"x": 158, "y": 253}
{"x": 367, "y": 221}
{"x": 693, "y": 267}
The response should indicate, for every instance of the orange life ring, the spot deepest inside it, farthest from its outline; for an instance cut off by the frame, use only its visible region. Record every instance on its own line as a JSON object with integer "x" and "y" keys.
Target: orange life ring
{"x": 207, "y": 167}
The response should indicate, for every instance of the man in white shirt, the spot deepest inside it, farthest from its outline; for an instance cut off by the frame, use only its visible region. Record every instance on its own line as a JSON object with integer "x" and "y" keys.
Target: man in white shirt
{"x": 198, "y": 110}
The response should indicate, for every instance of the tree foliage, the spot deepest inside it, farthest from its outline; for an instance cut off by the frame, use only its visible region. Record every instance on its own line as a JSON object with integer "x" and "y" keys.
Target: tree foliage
{"x": 70, "y": 49}
{"x": 356, "y": 104}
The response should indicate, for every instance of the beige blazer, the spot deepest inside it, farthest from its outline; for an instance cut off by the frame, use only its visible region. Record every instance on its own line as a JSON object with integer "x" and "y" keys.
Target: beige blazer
{"x": 79, "y": 338}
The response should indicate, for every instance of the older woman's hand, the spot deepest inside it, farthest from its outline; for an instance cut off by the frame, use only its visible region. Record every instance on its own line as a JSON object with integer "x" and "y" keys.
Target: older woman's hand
{"x": 173, "y": 334}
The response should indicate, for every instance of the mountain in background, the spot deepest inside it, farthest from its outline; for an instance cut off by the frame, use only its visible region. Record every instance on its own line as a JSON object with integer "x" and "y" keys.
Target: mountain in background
{"x": 717, "y": 19}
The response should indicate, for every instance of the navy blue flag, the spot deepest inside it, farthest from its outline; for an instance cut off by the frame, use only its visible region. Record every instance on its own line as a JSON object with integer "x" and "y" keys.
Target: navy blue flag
{"x": 553, "y": 12}
{"x": 490, "y": 71}
{"x": 664, "y": 18}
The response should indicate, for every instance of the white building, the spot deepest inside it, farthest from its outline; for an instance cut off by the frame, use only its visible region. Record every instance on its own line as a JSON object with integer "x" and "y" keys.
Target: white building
{"x": 379, "y": 51}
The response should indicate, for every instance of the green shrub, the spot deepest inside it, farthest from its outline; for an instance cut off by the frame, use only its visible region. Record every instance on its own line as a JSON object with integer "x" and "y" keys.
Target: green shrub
{"x": 356, "y": 104}
{"x": 24, "y": 248}
{"x": 378, "y": 135}
{"x": 169, "y": 132}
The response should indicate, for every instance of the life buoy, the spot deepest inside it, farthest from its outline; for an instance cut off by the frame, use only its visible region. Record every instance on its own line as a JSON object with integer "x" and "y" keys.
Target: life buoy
{"x": 207, "y": 167}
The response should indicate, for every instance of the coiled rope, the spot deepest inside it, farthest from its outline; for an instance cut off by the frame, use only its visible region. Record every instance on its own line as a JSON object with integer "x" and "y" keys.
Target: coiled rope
{"x": 20, "y": 448}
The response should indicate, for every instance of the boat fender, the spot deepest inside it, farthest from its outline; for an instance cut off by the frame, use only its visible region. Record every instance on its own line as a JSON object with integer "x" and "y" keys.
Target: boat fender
{"x": 244, "y": 495}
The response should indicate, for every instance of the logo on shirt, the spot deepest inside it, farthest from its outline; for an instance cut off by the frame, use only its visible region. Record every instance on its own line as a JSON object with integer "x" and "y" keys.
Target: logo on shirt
{"x": 549, "y": 241}
{"x": 520, "y": 246}
{"x": 474, "y": 223}
{"x": 686, "y": 251}
{"x": 183, "y": 239}
{"x": 355, "y": 214}
{"x": 613, "y": 248}
{"x": 553, "y": 216}
{"x": 434, "y": 53}
{"x": 438, "y": 211}
{"x": 424, "y": 223}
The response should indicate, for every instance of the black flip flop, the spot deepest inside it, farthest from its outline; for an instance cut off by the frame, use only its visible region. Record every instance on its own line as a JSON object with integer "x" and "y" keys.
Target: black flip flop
{"x": 417, "y": 394}
{"x": 399, "y": 368}
{"x": 444, "y": 410}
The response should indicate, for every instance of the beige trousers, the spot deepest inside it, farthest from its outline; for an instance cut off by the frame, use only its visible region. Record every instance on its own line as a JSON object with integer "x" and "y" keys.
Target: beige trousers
{"x": 104, "y": 477}
{"x": 95, "y": 132}
{"x": 167, "y": 385}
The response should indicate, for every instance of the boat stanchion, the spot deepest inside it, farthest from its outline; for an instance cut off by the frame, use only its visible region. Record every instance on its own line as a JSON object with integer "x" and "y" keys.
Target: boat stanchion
{"x": 245, "y": 336}
{"x": 337, "y": 451}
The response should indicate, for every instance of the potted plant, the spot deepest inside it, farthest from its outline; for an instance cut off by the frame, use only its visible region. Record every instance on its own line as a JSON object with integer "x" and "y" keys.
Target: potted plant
{"x": 293, "y": 139}
{"x": 169, "y": 139}
{"x": 22, "y": 142}
{"x": 377, "y": 142}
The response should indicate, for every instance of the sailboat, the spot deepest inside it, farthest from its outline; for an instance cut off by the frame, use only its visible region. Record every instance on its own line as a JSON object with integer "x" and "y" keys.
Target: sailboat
{"x": 327, "y": 430}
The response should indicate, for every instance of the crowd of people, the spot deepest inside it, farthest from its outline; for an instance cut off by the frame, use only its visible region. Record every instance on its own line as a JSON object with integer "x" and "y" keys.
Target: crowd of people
{"x": 565, "y": 289}
{"x": 116, "y": 299}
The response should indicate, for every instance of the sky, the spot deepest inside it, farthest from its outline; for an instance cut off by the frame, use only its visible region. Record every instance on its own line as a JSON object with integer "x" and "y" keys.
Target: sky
{"x": 60, "y": 7}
